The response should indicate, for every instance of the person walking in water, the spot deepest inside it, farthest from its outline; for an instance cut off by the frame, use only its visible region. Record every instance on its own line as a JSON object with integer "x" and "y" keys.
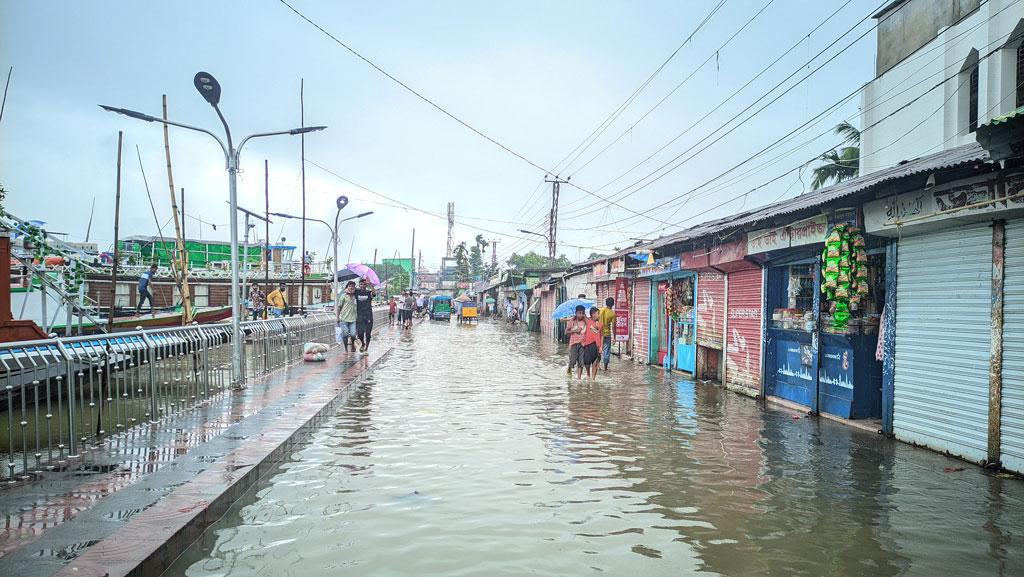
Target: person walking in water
{"x": 392, "y": 309}
{"x": 592, "y": 344}
{"x": 144, "y": 293}
{"x": 347, "y": 316}
{"x": 364, "y": 313}
{"x": 410, "y": 308}
{"x": 607, "y": 323}
{"x": 576, "y": 328}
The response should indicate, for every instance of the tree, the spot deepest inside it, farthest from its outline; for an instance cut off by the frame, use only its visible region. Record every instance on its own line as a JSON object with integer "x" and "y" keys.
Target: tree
{"x": 462, "y": 271}
{"x": 398, "y": 282}
{"x": 842, "y": 164}
{"x": 595, "y": 256}
{"x": 476, "y": 261}
{"x": 534, "y": 260}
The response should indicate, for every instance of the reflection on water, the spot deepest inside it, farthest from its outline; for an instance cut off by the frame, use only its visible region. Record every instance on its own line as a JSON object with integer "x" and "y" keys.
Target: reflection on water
{"x": 470, "y": 453}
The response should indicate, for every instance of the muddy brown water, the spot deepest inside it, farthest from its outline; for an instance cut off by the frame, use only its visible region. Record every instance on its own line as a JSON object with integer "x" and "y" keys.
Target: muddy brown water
{"x": 470, "y": 453}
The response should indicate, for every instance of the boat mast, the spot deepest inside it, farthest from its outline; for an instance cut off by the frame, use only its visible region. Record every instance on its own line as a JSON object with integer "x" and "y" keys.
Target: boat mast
{"x": 181, "y": 274}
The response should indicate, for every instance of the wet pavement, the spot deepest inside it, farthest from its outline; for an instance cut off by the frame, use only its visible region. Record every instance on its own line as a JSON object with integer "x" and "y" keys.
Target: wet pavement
{"x": 127, "y": 498}
{"x": 469, "y": 452}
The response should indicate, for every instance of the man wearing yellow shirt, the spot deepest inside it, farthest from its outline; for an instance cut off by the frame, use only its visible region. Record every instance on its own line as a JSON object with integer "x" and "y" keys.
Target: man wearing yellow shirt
{"x": 607, "y": 323}
{"x": 277, "y": 301}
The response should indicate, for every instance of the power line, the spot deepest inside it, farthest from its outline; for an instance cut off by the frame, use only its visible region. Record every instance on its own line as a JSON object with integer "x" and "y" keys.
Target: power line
{"x": 735, "y": 117}
{"x": 723, "y": 102}
{"x": 607, "y": 122}
{"x": 413, "y": 91}
{"x": 791, "y": 133}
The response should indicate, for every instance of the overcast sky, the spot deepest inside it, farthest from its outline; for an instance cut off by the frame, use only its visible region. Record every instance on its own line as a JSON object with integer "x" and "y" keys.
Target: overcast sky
{"x": 536, "y": 76}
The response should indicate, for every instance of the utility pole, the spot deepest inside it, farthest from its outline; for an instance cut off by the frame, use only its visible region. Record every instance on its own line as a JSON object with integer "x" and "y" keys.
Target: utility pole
{"x": 553, "y": 218}
{"x": 451, "y": 229}
{"x": 419, "y": 263}
{"x": 412, "y": 257}
{"x": 181, "y": 272}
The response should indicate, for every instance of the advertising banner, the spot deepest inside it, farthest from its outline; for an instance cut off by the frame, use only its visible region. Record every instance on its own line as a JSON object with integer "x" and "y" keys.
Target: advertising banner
{"x": 621, "y": 329}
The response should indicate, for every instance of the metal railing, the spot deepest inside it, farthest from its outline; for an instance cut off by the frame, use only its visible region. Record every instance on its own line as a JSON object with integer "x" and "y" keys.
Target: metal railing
{"x": 60, "y": 395}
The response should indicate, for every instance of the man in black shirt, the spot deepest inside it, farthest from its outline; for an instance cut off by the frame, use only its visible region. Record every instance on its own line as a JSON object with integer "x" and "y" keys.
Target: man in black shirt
{"x": 364, "y": 313}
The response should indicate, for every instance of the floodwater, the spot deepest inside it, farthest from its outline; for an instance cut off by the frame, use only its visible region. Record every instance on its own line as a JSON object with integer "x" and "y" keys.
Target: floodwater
{"x": 471, "y": 453}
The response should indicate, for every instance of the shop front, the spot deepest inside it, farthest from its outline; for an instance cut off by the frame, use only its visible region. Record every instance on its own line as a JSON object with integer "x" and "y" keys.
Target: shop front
{"x": 710, "y": 313}
{"x": 825, "y": 288}
{"x": 958, "y": 335}
{"x": 673, "y": 319}
{"x": 729, "y": 331}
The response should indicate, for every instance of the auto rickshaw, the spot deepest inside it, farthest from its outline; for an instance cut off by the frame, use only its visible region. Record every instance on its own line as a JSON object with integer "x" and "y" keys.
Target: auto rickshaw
{"x": 467, "y": 309}
{"x": 439, "y": 307}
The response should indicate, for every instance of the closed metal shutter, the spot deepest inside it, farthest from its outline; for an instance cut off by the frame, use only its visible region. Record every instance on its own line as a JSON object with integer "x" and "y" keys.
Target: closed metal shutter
{"x": 710, "y": 309}
{"x": 641, "y": 320}
{"x": 1012, "y": 425}
{"x": 943, "y": 339}
{"x": 743, "y": 345}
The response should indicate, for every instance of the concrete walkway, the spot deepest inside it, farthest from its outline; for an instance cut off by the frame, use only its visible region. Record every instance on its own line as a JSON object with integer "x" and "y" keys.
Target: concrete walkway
{"x": 138, "y": 500}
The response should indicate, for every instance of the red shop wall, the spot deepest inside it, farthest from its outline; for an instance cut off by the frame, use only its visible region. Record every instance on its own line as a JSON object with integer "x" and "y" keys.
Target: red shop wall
{"x": 710, "y": 309}
{"x": 547, "y": 307}
{"x": 641, "y": 319}
{"x": 743, "y": 346}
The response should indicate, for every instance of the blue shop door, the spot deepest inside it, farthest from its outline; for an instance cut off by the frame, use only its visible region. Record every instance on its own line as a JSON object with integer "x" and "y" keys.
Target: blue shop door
{"x": 685, "y": 345}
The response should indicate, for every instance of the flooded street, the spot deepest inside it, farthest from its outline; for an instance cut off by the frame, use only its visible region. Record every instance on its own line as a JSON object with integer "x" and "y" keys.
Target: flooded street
{"x": 469, "y": 452}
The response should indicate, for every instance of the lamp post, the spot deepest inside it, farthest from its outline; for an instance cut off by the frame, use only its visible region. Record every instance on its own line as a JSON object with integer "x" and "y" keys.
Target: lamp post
{"x": 209, "y": 88}
{"x": 551, "y": 259}
{"x": 342, "y": 201}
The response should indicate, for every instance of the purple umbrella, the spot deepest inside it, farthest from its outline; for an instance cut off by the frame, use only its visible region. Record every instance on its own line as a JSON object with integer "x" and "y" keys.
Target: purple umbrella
{"x": 364, "y": 272}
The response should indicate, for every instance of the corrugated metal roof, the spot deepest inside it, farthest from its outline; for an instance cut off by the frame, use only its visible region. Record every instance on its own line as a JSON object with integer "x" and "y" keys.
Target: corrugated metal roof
{"x": 1004, "y": 118}
{"x": 946, "y": 159}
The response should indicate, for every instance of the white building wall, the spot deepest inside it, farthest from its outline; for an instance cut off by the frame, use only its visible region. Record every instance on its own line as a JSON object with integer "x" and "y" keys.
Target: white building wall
{"x": 902, "y": 120}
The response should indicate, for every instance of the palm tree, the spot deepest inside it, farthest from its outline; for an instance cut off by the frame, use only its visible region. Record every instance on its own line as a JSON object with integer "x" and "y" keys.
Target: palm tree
{"x": 842, "y": 164}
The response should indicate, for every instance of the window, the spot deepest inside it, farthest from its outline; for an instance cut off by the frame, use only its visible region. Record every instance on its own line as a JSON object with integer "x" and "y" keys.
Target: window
{"x": 200, "y": 295}
{"x": 123, "y": 295}
{"x": 972, "y": 110}
{"x": 1020, "y": 77}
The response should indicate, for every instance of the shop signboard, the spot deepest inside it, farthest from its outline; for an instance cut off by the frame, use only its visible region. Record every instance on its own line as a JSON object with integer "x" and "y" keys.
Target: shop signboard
{"x": 600, "y": 269}
{"x": 808, "y": 231}
{"x": 964, "y": 198}
{"x": 618, "y": 266}
{"x": 661, "y": 266}
{"x": 621, "y": 329}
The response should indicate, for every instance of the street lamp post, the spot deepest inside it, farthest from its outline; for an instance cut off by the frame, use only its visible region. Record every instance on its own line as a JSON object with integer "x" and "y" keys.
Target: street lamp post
{"x": 209, "y": 88}
{"x": 342, "y": 201}
{"x": 551, "y": 258}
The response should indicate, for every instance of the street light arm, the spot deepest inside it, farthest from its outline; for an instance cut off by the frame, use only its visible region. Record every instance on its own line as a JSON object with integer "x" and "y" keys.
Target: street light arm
{"x": 291, "y": 132}
{"x": 150, "y": 118}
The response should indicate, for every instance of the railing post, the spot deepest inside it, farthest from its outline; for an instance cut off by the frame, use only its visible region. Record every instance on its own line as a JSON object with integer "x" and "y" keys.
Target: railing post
{"x": 72, "y": 442}
{"x": 149, "y": 347}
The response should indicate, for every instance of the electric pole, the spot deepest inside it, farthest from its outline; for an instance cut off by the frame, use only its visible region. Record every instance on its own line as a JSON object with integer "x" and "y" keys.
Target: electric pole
{"x": 494, "y": 254}
{"x": 451, "y": 229}
{"x": 412, "y": 259}
{"x": 553, "y": 219}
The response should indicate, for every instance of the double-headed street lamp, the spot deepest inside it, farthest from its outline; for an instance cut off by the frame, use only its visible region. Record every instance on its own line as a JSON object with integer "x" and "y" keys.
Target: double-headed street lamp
{"x": 342, "y": 201}
{"x": 551, "y": 257}
{"x": 209, "y": 88}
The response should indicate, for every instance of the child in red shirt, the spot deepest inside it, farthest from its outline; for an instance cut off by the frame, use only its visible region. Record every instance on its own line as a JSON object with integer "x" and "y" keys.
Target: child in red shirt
{"x": 592, "y": 343}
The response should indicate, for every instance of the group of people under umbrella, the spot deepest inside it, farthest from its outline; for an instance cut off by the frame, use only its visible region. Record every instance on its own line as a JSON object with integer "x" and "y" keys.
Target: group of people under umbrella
{"x": 589, "y": 329}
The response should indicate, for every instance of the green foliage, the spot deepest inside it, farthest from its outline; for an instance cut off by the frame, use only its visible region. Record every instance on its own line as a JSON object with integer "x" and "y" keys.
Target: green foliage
{"x": 840, "y": 165}
{"x": 595, "y": 256}
{"x": 476, "y": 262}
{"x": 534, "y": 260}
{"x": 399, "y": 282}
{"x": 462, "y": 268}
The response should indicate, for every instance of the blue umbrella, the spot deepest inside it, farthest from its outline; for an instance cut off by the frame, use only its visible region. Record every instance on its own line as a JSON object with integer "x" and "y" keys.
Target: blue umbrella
{"x": 568, "y": 308}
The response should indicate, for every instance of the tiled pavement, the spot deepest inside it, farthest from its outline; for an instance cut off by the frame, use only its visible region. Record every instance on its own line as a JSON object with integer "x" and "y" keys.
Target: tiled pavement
{"x": 140, "y": 499}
